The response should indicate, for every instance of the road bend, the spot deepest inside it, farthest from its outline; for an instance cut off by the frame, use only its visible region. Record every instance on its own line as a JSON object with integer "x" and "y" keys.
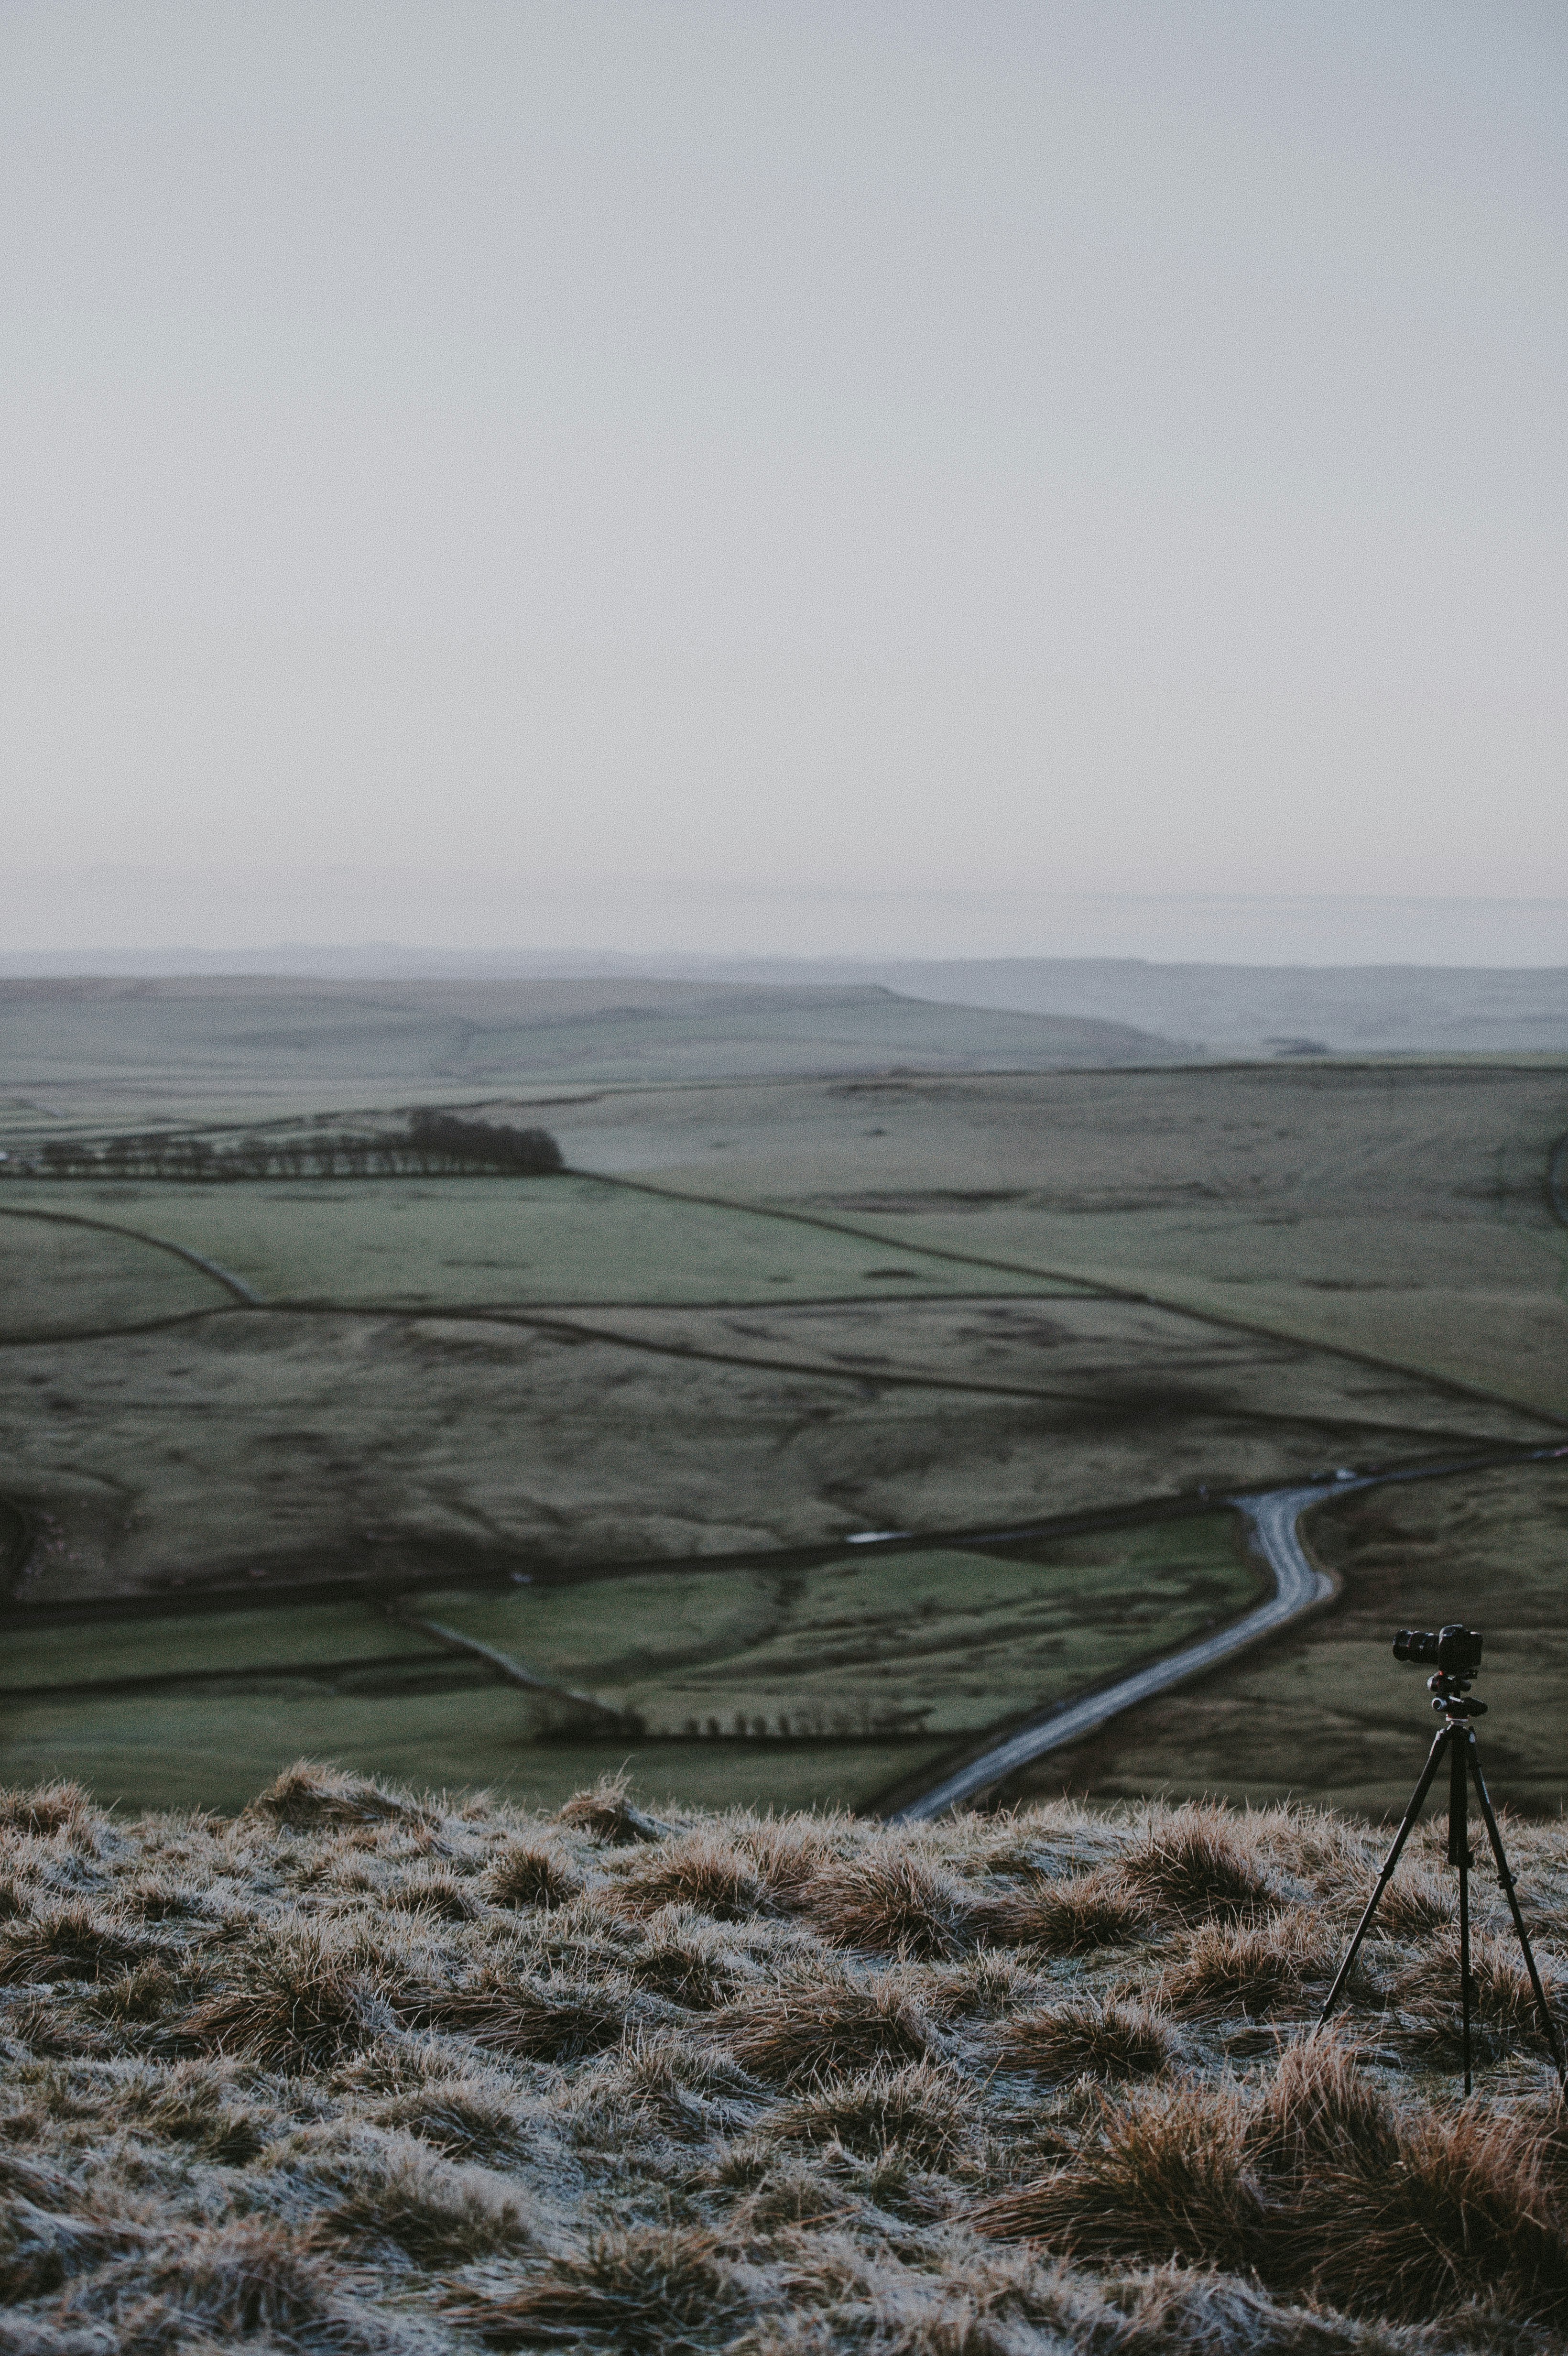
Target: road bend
{"x": 1298, "y": 1585}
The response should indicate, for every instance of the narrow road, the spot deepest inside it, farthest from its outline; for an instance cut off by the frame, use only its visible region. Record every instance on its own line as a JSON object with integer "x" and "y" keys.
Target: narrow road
{"x": 1298, "y": 1586}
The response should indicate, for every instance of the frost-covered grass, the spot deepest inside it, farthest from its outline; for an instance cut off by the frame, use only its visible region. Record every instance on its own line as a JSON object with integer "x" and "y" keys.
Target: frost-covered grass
{"x": 356, "y": 2070}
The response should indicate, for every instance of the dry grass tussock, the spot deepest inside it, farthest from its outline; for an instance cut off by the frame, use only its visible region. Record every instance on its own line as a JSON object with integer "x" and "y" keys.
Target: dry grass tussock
{"x": 360, "y": 2070}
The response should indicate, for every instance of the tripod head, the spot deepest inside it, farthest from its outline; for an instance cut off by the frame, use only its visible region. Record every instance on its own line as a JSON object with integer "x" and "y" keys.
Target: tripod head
{"x": 1449, "y": 1696}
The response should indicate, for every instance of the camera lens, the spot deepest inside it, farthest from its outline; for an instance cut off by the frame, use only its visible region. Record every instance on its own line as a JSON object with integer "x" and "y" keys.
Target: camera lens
{"x": 1415, "y": 1644}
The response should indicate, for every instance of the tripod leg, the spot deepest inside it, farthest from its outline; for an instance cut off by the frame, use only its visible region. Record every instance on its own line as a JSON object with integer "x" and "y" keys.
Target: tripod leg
{"x": 1554, "y": 2043}
{"x": 1459, "y": 1855}
{"x": 1386, "y": 1875}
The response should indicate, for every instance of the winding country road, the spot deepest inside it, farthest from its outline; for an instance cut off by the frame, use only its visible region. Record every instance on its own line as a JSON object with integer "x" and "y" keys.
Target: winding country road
{"x": 1297, "y": 1586}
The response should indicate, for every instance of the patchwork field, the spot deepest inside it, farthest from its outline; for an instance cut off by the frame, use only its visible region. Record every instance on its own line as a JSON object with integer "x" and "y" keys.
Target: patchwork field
{"x": 282, "y": 1445}
{"x": 824, "y": 1681}
{"x": 765, "y": 1313}
{"x": 449, "y": 1243}
{"x": 1399, "y": 1210}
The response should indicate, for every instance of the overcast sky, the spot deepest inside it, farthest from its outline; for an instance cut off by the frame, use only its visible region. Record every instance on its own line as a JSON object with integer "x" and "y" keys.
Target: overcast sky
{"x": 643, "y": 453}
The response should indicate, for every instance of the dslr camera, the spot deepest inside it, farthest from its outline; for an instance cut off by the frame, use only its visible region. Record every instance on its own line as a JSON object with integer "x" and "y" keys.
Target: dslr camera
{"x": 1454, "y": 1651}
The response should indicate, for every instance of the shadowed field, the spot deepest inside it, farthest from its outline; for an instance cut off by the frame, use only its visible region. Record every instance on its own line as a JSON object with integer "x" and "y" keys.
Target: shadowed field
{"x": 291, "y": 1445}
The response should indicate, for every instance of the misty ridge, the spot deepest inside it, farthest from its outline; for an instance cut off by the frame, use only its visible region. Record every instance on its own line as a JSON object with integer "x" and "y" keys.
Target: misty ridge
{"x": 770, "y": 1012}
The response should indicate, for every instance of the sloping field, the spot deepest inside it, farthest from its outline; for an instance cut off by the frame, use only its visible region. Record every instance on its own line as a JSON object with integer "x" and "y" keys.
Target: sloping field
{"x": 60, "y": 1275}
{"x": 1399, "y": 1210}
{"x": 361, "y": 2072}
{"x": 460, "y": 1242}
{"x": 291, "y": 1445}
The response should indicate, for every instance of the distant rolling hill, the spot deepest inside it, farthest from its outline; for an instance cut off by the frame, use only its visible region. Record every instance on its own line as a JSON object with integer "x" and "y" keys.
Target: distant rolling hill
{"x": 243, "y": 1036}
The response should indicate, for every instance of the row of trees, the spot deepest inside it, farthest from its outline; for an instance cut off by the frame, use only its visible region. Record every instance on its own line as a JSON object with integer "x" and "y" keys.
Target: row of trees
{"x": 433, "y": 1145}
{"x": 860, "y": 1722}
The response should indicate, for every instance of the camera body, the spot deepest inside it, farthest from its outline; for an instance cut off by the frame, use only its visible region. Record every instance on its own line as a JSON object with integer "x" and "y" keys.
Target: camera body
{"x": 1455, "y": 1651}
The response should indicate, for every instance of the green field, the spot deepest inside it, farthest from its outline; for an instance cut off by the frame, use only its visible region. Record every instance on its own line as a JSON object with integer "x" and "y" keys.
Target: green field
{"x": 1399, "y": 1210}
{"x": 793, "y": 1290}
{"x": 420, "y": 1244}
{"x": 61, "y": 1275}
{"x": 820, "y": 1685}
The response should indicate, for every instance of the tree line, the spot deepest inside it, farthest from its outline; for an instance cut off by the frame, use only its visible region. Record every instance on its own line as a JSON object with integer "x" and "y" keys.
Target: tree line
{"x": 434, "y": 1145}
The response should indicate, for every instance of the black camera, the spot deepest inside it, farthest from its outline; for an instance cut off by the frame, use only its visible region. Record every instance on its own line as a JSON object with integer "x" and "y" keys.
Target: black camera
{"x": 1455, "y": 1650}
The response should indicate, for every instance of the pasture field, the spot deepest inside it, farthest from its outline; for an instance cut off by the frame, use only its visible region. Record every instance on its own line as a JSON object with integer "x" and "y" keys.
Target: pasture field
{"x": 824, "y": 1682}
{"x": 464, "y": 1243}
{"x": 291, "y": 1445}
{"x": 1325, "y": 1713}
{"x": 1397, "y": 1209}
{"x": 60, "y": 1277}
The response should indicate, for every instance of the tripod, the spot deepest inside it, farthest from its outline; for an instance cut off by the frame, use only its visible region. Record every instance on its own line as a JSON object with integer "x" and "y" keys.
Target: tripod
{"x": 1456, "y": 1736}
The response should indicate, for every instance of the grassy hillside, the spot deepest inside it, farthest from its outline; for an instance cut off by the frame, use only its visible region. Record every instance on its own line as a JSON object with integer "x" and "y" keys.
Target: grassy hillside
{"x": 354, "y": 2071}
{"x": 763, "y": 1313}
{"x": 288, "y": 1445}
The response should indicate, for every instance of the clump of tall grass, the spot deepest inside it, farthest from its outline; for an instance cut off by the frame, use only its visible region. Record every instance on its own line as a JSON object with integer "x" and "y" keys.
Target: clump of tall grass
{"x": 922, "y": 2107}
{"x": 1072, "y": 1917}
{"x": 819, "y": 2023}
{"x": 608, "y": 1814}
{"x": 531, "y": 1873}
{"x": 1255, "y": 1967}
{"x": 308, "y": 1796}
{"x": 648, "y": 2288}
{"x": 709, "y": 1875}
{"x": 1089, "y": 2039}
{"x": 1197, "y": 1864}
{"x": 893, "y": 1903}
{"x": 298, "y": 1999}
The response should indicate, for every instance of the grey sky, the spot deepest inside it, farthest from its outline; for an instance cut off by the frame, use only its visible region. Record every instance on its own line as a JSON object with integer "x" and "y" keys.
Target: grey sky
{"x": 618, "y": 450}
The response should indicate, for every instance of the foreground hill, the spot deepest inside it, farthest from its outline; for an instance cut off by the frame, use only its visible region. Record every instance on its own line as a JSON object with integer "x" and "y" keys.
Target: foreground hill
{"x": 355, "y": 2070}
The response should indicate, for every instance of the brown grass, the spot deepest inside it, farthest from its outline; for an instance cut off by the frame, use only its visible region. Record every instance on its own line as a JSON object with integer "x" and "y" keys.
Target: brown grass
{"x": 1196, "y": 1863}
{"x": 527, "y": 1873}
{"x": 647, "y": 2288}
{"x": 817, "y": 2026}
{"x": 1257, "y": 1968}
{"x": 73, "y": 1942}
{"x": 536, "y": 2017}
{"x": 708, "y": 1875}
{"x": 302, "y": 1999}
{"x": 608, "y": 1814}
{"x": 357, "y": 2071}
{"x": 1065, "y": 1918}
{"x": 922, "y": 2108}
{"x": 892, "y": 1904}
{"x": 1088, "y": 2038}
{"x": 58, "y": 1808}
{"x": 309, "y": 1794}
